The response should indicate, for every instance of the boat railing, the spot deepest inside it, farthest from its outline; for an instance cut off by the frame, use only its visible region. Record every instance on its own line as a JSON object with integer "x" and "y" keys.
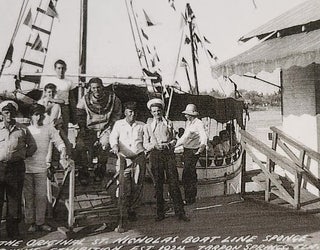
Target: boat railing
{"x": 273, "y": 185}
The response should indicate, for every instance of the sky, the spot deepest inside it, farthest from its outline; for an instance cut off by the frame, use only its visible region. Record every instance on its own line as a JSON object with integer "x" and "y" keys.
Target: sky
{"x": 111, "y": 48}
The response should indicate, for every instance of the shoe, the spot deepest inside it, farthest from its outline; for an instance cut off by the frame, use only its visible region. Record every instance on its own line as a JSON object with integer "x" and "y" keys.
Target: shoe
{"x": 183, "y": 217}
{"x": 44, "y": 228}
{"x": 32, "y": 228}
{"x": 160, "y": 218}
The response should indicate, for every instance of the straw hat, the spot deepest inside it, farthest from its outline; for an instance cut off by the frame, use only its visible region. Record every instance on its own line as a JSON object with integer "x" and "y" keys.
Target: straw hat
{"x": 191, "y": 109}
{"x": 155, "y": 102}
{"x": 9, "y": 105}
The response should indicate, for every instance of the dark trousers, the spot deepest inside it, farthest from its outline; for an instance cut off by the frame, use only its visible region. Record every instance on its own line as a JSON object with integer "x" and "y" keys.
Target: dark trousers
{"x": 86, "y": 150}
{"x": 11, "y": 185}
{"x": 189, "y": 174}
{"x": 163, "y": 164}
{"x": 132, "y": 190}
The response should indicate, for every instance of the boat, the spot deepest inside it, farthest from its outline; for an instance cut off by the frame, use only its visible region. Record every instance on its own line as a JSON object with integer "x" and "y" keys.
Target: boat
{"x": 217, "y": 176}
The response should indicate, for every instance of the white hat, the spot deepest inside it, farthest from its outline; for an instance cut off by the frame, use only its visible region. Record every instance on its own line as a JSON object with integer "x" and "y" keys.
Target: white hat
{"x": 10, "y": 103}
{"x": 191, "y": 109}
{"x": 156, "y": 102}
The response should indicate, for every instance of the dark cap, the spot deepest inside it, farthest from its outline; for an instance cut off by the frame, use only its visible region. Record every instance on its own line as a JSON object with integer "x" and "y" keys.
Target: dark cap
{"x": 37, "y": 109}
{"x": 130, "y": 105}
{"x": 95, "y": 80}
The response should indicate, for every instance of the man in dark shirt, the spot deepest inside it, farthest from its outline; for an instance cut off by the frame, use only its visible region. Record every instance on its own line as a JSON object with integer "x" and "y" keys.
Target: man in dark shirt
{"x": 16, "y": 143}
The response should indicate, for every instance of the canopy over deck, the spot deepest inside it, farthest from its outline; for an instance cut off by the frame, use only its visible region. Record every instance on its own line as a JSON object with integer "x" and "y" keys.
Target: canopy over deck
{"x": 291, "y": 39}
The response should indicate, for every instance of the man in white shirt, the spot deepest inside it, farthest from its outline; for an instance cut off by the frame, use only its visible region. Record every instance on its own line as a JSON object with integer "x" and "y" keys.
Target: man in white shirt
{"x": 126, "y": 141}
{"x": 64, "y": 86}
{"x": 194, "y": 141}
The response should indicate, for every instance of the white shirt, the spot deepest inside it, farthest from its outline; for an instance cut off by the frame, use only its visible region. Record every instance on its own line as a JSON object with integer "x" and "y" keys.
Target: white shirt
{"x": 63, "y": 88}
{"x": 128, "y": 138}
{"x": 194, "y": 135}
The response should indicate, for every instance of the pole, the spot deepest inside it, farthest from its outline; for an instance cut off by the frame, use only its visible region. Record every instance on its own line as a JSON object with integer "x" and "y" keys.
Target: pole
{"x": 83, "y": 45}
{"x": 193, "y": 55}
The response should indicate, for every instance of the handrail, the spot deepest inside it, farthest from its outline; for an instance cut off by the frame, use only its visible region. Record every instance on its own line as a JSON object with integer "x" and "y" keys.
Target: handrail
{"x": 271, "y": 154}
{"x": 310, "y": 152}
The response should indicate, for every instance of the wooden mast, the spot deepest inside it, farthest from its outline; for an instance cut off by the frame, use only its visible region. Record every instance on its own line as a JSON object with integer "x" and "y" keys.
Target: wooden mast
{"x": 83, "y": 44}
{"x": 190, "y": 18}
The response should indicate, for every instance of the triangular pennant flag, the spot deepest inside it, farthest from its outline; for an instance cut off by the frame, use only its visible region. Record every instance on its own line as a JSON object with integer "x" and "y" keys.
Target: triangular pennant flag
{"x": 144, "y": 34}
{"x": 9, "y": 54}
{"x": 206, "y": 40}
{"x": 153, "y": 63}
{"x": 189, "y": 13}
{"x": 171, "y": 2}
{"x": 140, "y": 53}
{"x": 183, "y": 21}
{"x": 196, "y": 38}
{"x": 37, "y": 45}
{"x": 156, "y": 54}
{"x": 184, "y": 62}
{"x": 187, "y": 40}
{"x": 148, "y": 20}
{"x": 148, "y": 49}
{"x": 28, "y": 20}
{"x": 51, "y": 11}
{"x": 212, "y": 55}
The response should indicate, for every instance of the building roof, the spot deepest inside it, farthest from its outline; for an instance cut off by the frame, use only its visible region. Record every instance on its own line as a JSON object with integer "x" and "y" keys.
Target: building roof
{"x": 300, "y": 50}
{"x": 304, "y": 13}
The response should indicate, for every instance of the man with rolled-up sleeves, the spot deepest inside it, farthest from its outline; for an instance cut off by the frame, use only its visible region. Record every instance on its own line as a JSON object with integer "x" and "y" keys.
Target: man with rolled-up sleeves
{"x": 16, "y": 143}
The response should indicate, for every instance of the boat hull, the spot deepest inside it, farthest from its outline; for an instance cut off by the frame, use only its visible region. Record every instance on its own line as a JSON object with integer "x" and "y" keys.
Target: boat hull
{"x": 214, "y": 180}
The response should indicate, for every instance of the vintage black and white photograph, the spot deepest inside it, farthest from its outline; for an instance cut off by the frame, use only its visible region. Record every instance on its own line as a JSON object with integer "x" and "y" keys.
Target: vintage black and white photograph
{"x": 160, "y": 124}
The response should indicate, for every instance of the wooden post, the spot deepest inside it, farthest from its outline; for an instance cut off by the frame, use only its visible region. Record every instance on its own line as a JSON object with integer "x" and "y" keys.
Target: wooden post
{"x": 268, "y": 181}
{"x": 297, "y": 185}
{"x": 122, "y": 162}
{"x": 71, "y": 195}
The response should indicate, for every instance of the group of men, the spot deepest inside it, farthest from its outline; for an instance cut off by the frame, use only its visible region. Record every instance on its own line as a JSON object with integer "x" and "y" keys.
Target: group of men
{"x": 98, "y": 117}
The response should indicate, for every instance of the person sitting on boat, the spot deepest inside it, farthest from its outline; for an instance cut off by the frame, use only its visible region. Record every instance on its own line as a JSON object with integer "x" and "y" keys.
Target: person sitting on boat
{"x": 194, "y": 141}
{"x": 35, "y": 182}
{"x": 51, "y": 104}
{"x": 16, "y": 144}
{"x": 126, "y": 141}
{"x": 97, "y": 112}
{"x": 64, "y": 92}
{"x": 225, "y": 141}
{"x": 159, "y": 141}
{"x": 232, "y": 134}
{"x": 53, "y": 116}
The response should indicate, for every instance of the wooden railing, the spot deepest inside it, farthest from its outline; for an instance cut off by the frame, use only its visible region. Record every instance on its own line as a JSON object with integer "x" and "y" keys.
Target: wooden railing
{"x": 300, "y": 154}
{"x": 272, "y": 184}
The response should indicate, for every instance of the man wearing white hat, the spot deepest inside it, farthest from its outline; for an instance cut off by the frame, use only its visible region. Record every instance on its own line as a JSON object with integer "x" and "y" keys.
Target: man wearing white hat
{"x": 16, "y": 143}
{"x": 194, "y": 141}
{"x": 159, "y": 140}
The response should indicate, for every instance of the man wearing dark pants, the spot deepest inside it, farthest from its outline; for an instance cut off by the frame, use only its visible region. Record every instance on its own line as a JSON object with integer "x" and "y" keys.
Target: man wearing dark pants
{"x": 16, "y": 143}
{"x": 159, "y": 140}
{"x": 194, "y": 141}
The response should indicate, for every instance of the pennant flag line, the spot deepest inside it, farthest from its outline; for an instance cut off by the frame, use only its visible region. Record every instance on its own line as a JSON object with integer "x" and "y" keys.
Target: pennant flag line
{"x": 51, "y": 11}
{"x": 148, "y": 20}
{"x": 37, "y": 45}
{"x": 144, "y": 34}
{"x": 28, "y": 20}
